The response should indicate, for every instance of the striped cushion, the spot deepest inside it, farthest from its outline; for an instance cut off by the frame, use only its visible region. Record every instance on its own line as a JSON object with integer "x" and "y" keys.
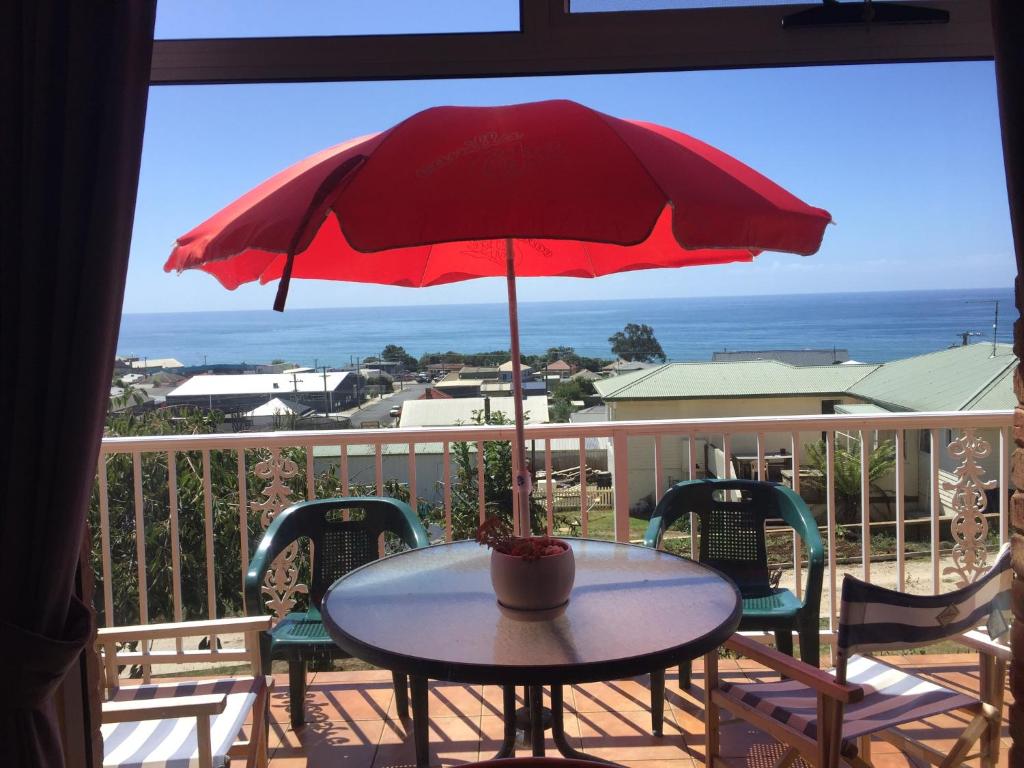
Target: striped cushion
{"x": 891, "y": 697}
{"x": 172, "y": 742}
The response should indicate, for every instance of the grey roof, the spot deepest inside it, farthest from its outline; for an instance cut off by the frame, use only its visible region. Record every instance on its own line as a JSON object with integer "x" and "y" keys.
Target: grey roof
{"x": 860, "y": 409}
{"x": 791, "y": 356}
{"x": 956, "y": 379}
{"x": 755, "y": 378}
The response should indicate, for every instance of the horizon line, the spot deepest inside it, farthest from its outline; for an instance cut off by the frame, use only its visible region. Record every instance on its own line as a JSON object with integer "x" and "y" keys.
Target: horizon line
{"x": 585, "y": 301}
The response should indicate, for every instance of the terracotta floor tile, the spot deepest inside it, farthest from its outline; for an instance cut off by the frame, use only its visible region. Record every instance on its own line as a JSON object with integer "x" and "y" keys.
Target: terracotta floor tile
{"x": 615, "y": 695}
{"x": 353, "y": 676}
{"x": 453, "y": 741}
{"x": 450, "y": 700}
{"x": 327, "y": 744}
{"x": 348, "y": 726}
{"x": 621, "y": 736}
{"x": 492, "y": 699}
{"x": 493, "y": 729}
{"x": 347, "y": 700}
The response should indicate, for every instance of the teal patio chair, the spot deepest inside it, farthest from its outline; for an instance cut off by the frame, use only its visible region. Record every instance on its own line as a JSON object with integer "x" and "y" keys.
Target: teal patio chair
{"x": 731, "y": 516}
{"x": 339, "y": 546}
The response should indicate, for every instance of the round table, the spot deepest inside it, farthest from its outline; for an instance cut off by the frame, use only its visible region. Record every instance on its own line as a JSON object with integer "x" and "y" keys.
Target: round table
{"x": 431, "y": 613}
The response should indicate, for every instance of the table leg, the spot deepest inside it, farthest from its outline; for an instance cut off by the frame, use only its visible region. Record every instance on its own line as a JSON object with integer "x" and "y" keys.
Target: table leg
{"x": 657, "y": 701}
{"x": 420, "y": 720}
{"x": 536, "y": 719}
{"x": 558, "y": 730}
{"x": 508, "y": 746}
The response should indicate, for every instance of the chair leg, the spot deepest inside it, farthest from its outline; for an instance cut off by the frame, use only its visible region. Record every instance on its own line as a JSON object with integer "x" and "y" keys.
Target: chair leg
{"x": 784, "y": 641}
{"x": 864, "y": 748}
{"x": 401, "y": 684}
{"x": 711, "y": 712}
{"x": 296, "y": 691}
{"x": 993, "y": 677}
{"x": 810, "y": 645}
{"x": 657, "y": 702}
{"x": 685, "y": 673}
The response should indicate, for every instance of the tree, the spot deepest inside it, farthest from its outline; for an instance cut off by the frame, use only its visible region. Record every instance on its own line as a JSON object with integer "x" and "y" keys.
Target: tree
{"x": 637, "y": 342}
{"x": 846, "y": 473}
{"x": 497, "y": 490}
{"x": 396, "y": 354}
{"x": 564, "y": 393}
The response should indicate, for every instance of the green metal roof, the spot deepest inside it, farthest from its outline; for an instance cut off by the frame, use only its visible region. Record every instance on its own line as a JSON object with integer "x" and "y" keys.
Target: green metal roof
{"x": 749, "y": 378}
{"x": 956, "y": 379}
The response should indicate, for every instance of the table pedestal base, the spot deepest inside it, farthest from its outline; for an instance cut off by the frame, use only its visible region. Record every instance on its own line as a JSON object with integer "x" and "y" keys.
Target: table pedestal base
{"x": 538, "y": 719}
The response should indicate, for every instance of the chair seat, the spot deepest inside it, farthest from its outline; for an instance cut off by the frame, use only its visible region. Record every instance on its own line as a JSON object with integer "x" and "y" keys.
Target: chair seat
{"x": 891, "y": 697}
{"x": 301, "y": 629}
{"x": 779, "y": 604}
{"x": 173, "y": 741}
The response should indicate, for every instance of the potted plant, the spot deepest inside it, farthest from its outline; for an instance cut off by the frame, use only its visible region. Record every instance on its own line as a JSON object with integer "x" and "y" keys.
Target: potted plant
{"x": 529, "y": 573}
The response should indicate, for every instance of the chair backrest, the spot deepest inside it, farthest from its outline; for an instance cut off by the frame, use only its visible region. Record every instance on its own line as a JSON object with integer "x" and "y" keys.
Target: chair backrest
{"x": 731, "y": 517}
{"x": 339, "y": 545}
{"x": 873, "y": 618}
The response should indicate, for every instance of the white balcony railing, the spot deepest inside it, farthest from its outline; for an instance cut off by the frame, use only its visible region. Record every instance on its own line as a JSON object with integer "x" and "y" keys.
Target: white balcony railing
{"x": 946, "y": 463}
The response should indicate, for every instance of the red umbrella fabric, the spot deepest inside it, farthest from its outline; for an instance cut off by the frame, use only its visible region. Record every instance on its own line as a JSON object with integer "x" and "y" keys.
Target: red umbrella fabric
{"x": 541, "y": 189}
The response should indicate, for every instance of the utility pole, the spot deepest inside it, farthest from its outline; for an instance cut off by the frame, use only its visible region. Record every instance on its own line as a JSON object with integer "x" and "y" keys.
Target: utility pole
{"x": 327, "y": 397}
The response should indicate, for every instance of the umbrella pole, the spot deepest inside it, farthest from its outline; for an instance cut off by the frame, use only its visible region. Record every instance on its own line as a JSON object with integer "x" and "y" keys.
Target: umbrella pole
{"x": 522, "y": 482}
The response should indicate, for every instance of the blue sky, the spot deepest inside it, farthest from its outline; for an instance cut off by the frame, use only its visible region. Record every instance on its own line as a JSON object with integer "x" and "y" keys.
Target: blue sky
{"x": 906, "y": 157}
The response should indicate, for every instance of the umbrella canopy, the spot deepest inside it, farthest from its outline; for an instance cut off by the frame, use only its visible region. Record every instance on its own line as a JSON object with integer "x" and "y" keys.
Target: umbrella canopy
{"x": 541, "y": 189}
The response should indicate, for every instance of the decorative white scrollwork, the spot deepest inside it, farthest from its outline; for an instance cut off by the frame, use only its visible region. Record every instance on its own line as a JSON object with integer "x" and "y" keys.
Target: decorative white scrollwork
{"x": 281, "y": 582}
{"x": 969, "y": 526}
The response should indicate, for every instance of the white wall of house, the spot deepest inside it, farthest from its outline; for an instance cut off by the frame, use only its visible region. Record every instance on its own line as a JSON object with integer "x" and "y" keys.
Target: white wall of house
{"x": 675, "y": 461}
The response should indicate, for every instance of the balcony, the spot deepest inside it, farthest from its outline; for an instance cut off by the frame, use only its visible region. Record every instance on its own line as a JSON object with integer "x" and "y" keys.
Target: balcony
{"x": 200, "y": 503}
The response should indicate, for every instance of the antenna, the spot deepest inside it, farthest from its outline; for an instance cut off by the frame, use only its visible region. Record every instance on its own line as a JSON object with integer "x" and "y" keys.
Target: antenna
{"x": 995, "y": 319}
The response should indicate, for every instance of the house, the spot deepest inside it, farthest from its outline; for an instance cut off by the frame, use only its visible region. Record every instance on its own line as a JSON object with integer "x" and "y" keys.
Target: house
{"x": 453, "y": 385}
{"x": 957, "y": 379}
{"x": 505, "y": 371}
{"x": 327, "y": 391}
{"x": 585, "y": 375}
{"x": 463, "y": 410}
{"x": 559, "y": 368}
{"x": 154, "y": 363}
{"x": 790, "y": 356}
{"x": 276, "y": 413}
{"x": 480, "y": 372}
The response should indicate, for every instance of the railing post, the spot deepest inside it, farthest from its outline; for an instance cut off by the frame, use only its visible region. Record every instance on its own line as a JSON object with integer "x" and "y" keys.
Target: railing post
{"x": 620, "y": 447}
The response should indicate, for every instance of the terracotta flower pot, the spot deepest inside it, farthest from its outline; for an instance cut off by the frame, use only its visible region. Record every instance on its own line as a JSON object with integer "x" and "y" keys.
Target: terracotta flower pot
{"x": 533, "y": 585}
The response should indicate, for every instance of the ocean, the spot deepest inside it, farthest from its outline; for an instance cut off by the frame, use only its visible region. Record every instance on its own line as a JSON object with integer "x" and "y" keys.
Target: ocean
{"x": 873, "y": 327}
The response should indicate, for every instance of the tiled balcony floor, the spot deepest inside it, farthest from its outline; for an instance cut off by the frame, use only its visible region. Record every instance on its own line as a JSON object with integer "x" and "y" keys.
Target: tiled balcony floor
{"x": 351, "y": 722}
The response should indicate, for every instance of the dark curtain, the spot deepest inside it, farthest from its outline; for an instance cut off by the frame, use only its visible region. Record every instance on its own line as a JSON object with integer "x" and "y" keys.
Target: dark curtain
{"x": 73, "y": 88}
{"x": 1008, "y": 40}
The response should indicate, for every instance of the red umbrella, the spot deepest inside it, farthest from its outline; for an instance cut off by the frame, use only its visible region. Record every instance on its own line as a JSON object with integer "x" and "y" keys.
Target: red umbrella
{"x": 542, "y": 189}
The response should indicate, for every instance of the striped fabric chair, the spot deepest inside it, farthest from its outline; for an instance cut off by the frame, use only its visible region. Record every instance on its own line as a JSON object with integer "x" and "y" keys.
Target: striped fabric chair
{"x": 826, "y": 717}
{"x": 184, "y": 724}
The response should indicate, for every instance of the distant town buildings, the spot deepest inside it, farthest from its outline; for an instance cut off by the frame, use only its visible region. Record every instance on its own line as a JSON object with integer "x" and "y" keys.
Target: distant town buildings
{"x": 325, "y": 391}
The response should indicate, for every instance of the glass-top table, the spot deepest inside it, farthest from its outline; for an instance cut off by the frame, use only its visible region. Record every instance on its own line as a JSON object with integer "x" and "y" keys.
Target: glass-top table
{"x": 431, "y": 613}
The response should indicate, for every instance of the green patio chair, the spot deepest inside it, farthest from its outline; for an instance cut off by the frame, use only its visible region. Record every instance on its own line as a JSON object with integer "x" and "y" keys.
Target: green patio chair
{"x": 339, "y": 546}
{"x": 731, "y": 517}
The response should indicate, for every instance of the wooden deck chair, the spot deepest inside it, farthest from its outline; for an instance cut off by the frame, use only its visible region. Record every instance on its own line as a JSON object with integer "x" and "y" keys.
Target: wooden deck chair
{"x": 193, "y": 723}
{"x": 829, "y": 717}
